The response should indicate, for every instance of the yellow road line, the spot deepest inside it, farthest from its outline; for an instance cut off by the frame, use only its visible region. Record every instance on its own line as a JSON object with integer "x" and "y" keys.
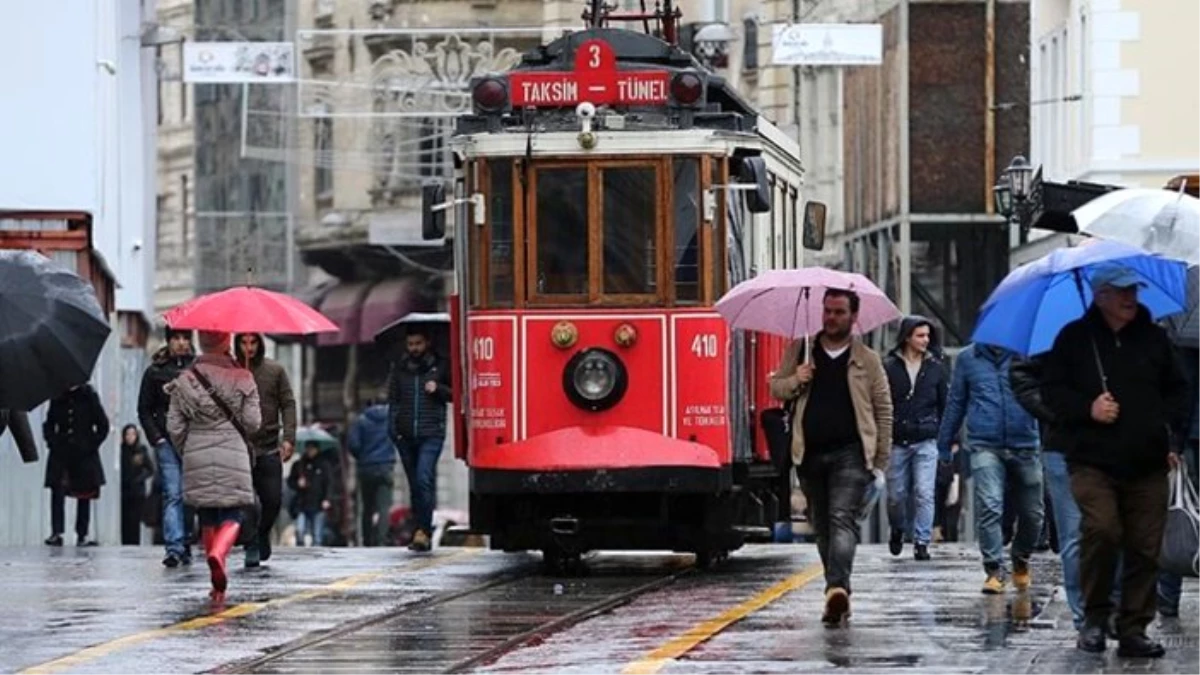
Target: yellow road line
{"x": 237, "y": 611}
{"x": 656, "y": 660}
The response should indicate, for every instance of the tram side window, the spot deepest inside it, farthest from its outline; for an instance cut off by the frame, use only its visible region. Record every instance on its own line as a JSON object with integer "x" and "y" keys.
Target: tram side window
{"x": 687, "y": 230}
{"x": 630, "y": 232}
{"x": 500, "y": 211}
{"x": 562, "y": 232}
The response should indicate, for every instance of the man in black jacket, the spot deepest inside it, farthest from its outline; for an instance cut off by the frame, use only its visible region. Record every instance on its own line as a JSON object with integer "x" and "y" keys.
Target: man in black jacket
{"x": 919, "y": 381}
{"x": 1115, "y": 387}
{"x": 167, "y": 363}
{"x": 418, "y": 392}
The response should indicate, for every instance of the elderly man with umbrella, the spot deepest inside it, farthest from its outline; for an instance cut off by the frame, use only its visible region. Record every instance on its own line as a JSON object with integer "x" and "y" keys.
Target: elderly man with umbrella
{"x": 1115, "y": 386}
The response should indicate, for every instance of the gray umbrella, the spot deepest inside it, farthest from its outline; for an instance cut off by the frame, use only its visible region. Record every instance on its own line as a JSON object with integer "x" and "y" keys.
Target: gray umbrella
{"x": 1185, "y": 328}
{"x": 52, "y": 330}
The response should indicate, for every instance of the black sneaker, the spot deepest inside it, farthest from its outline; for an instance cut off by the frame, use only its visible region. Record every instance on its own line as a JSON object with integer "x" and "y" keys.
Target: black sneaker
{"x": 1140, "y": 647}
{"x": 921, "y": 552}
{"x": 54, "y": 540}
{"x": 84, "y": 541}
{"x": 896, "y": 543}
{"x": 172, "y": 561}
{"x": 264, "y": 548}
{"x": 1091, "y": 639}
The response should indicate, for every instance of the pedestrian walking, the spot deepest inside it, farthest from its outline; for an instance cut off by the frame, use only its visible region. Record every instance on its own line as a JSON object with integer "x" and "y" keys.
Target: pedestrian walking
{"x": 1115, "y": 385}
{"x": 75, "y": 428}
{"x": 270, "y": 450}
{"x": 375, "y": 465}
{"x": 841, "y": 436}
{"x": 418, "y": 392}
{"x": 136, "y": 469}
{"x": 177, "y": 520}
{"x": 214, "y": 408}
{"x": 919, "y": 382}
{"x": 1170, "y": 586}
{"x": 1002, "y": 439}
{"x": 313, "y": 488}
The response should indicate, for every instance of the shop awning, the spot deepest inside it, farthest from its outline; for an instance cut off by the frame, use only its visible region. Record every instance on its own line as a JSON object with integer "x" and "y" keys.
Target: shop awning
{"x": 343, "y": 305}
{"x": 387, "y": 301}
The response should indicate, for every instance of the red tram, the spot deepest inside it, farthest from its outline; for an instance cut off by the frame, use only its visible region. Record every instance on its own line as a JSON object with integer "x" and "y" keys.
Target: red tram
{"x": 609, "y": 190}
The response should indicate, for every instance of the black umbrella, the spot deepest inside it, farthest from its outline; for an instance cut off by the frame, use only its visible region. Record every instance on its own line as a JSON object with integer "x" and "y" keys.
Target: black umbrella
{"x": 51, "y": 330}
{"x": 396, "y": 330}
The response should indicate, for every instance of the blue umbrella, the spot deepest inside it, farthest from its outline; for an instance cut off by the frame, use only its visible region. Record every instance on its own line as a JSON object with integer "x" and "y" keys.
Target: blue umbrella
{"x": 1032, "y": 304}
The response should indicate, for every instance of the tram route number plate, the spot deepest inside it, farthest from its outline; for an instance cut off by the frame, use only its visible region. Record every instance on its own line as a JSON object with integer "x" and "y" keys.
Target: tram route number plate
{"x": 595, "y": 79}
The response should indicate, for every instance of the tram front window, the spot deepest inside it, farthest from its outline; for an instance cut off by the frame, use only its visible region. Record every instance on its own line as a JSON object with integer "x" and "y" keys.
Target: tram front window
{"x": 630, "y": 231}
{"x": 562, "y": 231}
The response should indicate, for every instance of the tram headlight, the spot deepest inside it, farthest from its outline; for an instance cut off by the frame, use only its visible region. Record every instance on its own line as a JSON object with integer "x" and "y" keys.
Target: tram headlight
{"x": 595, "y": 379}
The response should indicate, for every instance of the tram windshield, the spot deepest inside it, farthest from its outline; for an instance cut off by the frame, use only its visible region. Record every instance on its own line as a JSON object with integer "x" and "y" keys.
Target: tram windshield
{"x": 622, "y": 232}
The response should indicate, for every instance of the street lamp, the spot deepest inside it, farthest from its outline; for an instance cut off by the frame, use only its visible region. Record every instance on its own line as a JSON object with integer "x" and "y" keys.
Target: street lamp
{"x": 1002, "y": 195}
{"x": 1020, "y": 175}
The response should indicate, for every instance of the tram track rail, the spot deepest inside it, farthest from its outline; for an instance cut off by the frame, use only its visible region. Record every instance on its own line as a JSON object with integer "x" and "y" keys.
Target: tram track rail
{"x": 506, "y": 625}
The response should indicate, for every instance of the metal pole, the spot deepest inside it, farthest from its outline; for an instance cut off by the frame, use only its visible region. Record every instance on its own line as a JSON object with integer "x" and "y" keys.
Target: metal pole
{"x": 905, "y": 166}
{"x": 989, "y": 132}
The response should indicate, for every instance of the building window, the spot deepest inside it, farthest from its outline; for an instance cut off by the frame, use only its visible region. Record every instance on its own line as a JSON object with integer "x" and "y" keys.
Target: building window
{"x": 323, "y": 150}
{"x": 158, "y": 83}
{"x": 750, "y": 46}
{"x": 160, "y": 212}
{"x": 184, "y": 205}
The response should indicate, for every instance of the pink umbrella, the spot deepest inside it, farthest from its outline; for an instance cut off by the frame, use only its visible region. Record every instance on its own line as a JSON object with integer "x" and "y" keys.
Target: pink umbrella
{"x": 788, "y": 302}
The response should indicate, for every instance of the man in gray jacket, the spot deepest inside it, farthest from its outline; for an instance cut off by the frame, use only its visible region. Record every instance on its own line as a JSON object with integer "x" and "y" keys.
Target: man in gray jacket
{"x": 270, "y": 452}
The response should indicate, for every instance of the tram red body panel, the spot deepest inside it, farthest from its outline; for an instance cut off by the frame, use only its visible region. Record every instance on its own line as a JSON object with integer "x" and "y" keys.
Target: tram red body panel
{"x": 701, "y": 381}
{"x": 589, "y": 448}
{"x": 674, "y": 412}
{"x": 644, "y": 405}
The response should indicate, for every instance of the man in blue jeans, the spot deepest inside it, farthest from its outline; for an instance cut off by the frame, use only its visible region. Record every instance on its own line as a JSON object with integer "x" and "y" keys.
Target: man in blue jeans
{"x": 1003, "y": 440}
{"x": 918, "y": 379}
{"x": 418, "y": 391}
{"x": 153, "y": 402}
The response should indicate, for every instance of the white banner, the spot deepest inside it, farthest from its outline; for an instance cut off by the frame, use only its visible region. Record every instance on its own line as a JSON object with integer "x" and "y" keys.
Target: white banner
{"x": 239, "y": 62}
{"x": 827, "y": 44}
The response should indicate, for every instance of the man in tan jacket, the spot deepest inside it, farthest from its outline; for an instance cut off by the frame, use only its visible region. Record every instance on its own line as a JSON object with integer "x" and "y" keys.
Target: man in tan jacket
{"x": 841, "y": 436}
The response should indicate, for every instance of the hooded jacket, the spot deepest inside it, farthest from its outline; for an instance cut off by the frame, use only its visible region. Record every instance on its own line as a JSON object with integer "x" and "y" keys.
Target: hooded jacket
{"x": 216, "y": 462}
{"x": 152, "y": 399}
{"x": 917, "y": 407}
{"x": 1144, "y": 375}
{"x": 415, "y": 413}
{"x": 276, "y": 397}
{"x": 981, "y": 393}
{"x": 370, "y": 439}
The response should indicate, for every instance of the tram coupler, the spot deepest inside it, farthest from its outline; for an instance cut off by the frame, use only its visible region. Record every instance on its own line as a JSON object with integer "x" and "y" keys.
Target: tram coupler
{"x": 564, "y": 525}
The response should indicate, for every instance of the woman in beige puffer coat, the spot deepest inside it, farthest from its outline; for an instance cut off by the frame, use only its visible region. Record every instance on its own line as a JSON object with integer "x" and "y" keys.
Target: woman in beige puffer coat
{"x": 217, "y": 476}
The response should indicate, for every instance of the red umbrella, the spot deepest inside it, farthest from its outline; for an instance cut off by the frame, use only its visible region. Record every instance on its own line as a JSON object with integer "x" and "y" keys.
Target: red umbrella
{"x": 246, "y": 309}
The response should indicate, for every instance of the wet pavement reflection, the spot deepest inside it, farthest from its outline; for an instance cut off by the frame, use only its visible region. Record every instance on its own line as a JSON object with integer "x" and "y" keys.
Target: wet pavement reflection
{"x": 111, "y": 609}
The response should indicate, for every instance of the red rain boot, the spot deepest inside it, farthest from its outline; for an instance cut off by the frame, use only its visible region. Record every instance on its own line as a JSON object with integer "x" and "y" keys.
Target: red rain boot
{"x": 206, "y": 538}
{"x": 225, "y": 537}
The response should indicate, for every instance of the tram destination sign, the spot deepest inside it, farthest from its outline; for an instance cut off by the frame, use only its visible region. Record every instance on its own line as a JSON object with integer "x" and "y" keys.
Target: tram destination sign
{"x": 595, "y": 79}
